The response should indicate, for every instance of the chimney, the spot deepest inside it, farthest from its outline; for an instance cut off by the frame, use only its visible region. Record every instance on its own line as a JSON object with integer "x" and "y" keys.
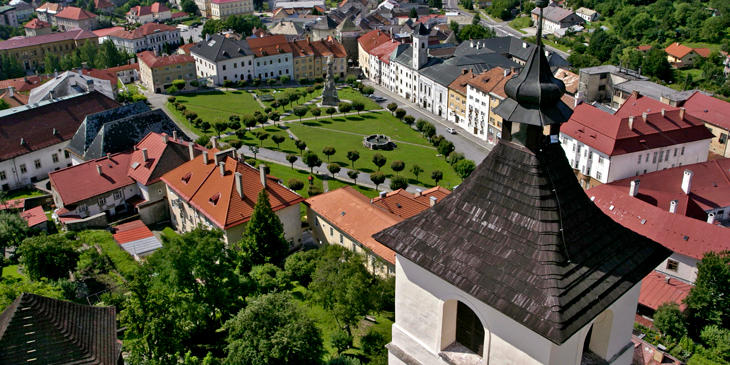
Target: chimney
{"x": 191, "y": 150}
{"x": 239, "y": 183}
{"x": 382, "y": 194}
{"x": 10, "y": 90}
{"x": 634, "y": 189}
{"x": 631, "y": 123}
{"x": 681, "y": 112}
{"x": 664, "y": 112}
{"x": 506, "y": 72}
{"x": 84, "y": 65}
{"x": 433, "y": 200}
{"x": 222, "y": 166}
{"x": 687, "y": 181}
{"x": 90, "y": 85}
{"x": 262, "y": 170}
{"x": 78, "y": 70}
{"x": 144, "y": 155}
{"x": 635, "y": 94}
{"x": 673, "y": 206}
{"x": 55, "y": 73}
{"x": 644, "y": 115}
{"x": 108, "y": 156}
{"x": 174, "y": 135}
{"x": 418, "y": 192}
{"x": 164, "y": 138}
{"x": 711, "y": 218}
{"x": 98, "y": 169}
{"x": 214, "y": 141}
{"x": 205, "y": 157}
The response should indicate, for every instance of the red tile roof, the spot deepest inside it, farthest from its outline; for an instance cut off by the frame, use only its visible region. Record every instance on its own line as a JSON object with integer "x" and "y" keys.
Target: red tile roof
{"x": 110, "y": 76}
{"x": 678, "y": 50}
{"x": 657, "y": 289}
{"x": 644, "y": 48}
{"x": 153, "y": 61}
{"x": 709, "y": 109}
{"x": 34, "y": 216}
{"x": 35, "y": 127}
{"x": 205, "y": 182}
{"x": 13, "y": 204}
{"x": 384, "y": 50}
{"x": 19, "y": 42}
{"x": 106, "y": 31}
{"x": 710, "y": 188}
{"x": 179, "y": 14}
{"x": 48, "y": 6}
{"x": 356, "y": 206}
{"x": 322, "y": 48}
{"x": 147, "y": 10}
{"x": 20, "y": 84}
{"x": 459, "y": 85}
{"x": 704, "y": 52}
{"x": 37, "y": 24}
{"x": 491, "y": 81}
{"x": 269, "y": 45}
{"x": 75, "y": 13}
{"x": 134, "y": 66}
{"x": 373, "y": 39}
{"x": 611, "y": 134}
{"x": 186, "y": 48}
{"x": 102, "y": 4}
{"x": 16, "y": 100}
{"x": 666, "y": 228}
{"x": 131, "y": 231}
{"x": 80, "y": 182}
{"x": 569, "y": 79}
{"x": 160, "y": 155}
{"x": 405, "y": 205}
{"x": 638, "y": 104}
{"x": 142, "y": 31}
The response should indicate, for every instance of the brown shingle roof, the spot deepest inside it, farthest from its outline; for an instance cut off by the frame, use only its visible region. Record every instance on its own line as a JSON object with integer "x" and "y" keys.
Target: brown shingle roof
{"x": 35, "y": 128}
{"x": 16, "y": 100}
{"x": 36, "y": 329}
{"x": 490, "y": 80}
{"x": 205, "y": 182}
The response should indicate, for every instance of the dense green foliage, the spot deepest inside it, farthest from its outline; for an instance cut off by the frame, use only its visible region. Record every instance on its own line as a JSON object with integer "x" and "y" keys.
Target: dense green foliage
{"x": 51, "y": 257}
{"x": 13, "y": 229}
{"x": 264, "y": 240}
{"x": 239, "y": 24}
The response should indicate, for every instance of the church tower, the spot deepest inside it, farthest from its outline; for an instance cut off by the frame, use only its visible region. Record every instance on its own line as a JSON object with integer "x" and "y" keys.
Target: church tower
{"x": 420, "y": 46}
{"x": 517, "y": 265}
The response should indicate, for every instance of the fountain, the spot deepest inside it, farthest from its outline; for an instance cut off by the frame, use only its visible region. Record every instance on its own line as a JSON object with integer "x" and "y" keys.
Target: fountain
{"x": 378, "y": 142}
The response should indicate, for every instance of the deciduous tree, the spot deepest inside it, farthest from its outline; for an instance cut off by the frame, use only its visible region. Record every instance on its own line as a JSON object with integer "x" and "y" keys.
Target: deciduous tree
{"x": 353, "y": 156}
{"x": 329, "y": 151}
{"x": 51, "y": 257}
{"x": 377, "y": 178}
{"x": 333, "y": 168}
{"x": 292, "y": 158}
{"x": 464, "y": 168}
{"x": 311, "y": 160}
{"x": 379, "y": 160}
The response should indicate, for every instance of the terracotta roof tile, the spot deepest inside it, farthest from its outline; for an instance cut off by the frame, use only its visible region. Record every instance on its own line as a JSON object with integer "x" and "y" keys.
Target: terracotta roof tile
{"x": 204, "y": 181}
{"x": 638, "y": 104}
{"x": 331, "y": 205}
{"x": 489, "y": 80}
{"x": 16, "y": 100}
{"x": 459, "y": 85}
{"x": 102, "y": 4}
{"x": 34, "y": 216}
{"x": 153, "y": 61}
{"x": 37, "y": 24}
{"x": 75, "y": 13}
{"x": 13, "y": 204}
{"x": 405, "y": 205}
{"x": 709, "y": 109}
{"x": 161, "y": 157}
{"x": 372, "y": 39}
{"x": 134, "y": 66}
{"x": 657, "y": 289}
{"x": 20, "y": 84}
{"x": 18, "y": 42}
{"x": 131, "y": 231}
{"x": 106, "y": 31}
{"x": 80, "y": 182}
{"x": 569, "y": 79}
{"x": 147, "y": 10}
{"x": 678, "y": 50}
{"x": 142, "y": 31}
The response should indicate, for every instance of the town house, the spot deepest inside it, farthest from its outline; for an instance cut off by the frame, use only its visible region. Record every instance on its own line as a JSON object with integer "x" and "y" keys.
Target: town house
{"x": 148, "y": 37}
{"x": 219, "y": 58}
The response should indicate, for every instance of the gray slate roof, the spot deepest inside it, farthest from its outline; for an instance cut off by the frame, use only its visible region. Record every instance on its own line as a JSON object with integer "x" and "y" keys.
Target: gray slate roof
{"x": 325, "y": 23}
{"x": 40, "y": 330}
{"x": 219, "y": 48}
{"x": 91, "y": 125}
{"x": 646, "y": 88}
{"x": 508, "y": 47}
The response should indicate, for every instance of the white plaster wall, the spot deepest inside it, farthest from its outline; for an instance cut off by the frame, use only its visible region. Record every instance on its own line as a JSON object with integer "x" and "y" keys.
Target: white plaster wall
{"x": 16, "y": 179}
{"x": 439, "y": 100}
{"x": 417, "y": 330}
{"x": 90, "y": 207}
{"x": 272, "y": 65}
{"x": 686, "y": 270}
{"x": 234, "y": 69}
{"x": 477, "y": 112}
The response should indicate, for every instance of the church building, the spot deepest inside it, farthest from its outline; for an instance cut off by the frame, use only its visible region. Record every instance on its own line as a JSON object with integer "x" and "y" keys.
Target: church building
{"x": 517, "y": 265}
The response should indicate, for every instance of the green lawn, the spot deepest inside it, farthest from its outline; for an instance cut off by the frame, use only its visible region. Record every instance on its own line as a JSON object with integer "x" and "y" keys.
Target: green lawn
{"x": 122, "y": 260}
{"x": 334, "y": 135}
{"x": 521, "y": 22}
{"x": 133, "y": 88}
{"x": 22, "y": 193}
{"x": 712, "y": 46}
{"x": 12, "y": 272}
{"x": 344, "y": 94}
{"x": 368, "y": 123}
{"x": 327, "y": 323}
{"x": 278, "y": 91}
{"x": 680, "y": 82}
{"x": 212, "y": 106}
{"x": 556, "y": 45}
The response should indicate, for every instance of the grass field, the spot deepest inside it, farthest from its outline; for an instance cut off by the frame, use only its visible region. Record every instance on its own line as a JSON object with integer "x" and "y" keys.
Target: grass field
{"x": 712, "y": 46}
{"x": 12, "y": 272}
{"x": 339, "y": 135}
{"x": 123, "y": 261}
{"x": 519, "y": 23}
{"x": 22, "y": 193}
{"x": 680, "y": 82}
{"x": 344, "y": 94}
{"x": 327, "y": 323}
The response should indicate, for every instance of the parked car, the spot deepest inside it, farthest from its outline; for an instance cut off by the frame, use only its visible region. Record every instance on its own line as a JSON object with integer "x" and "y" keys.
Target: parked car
{"x": 451, "y": 130}
{"x": 380, "y": 99}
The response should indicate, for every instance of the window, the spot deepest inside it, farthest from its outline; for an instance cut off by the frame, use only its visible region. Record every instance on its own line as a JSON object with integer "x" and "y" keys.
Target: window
{"x": 117, "y": 195}
{"x": 469, "y": 329}
{"x": 332, "y": 232}
{"x": 599, "y": 175}
{"x": 639, "y": 159}
{"x": 675, "y": 152}
{"x": 601, "y": 87}
{"x": 666, "y": 157}
{"x": 342, "y": 238}
{"x": 654, "y": 161}
{"x": 661, "y": 155}
{"x": 23, "y": 169}
{"x": 101, "y": 201}
{"x": 723, "y": 138}
{"x": 37, "y": 164}
{"x": 54, "y": 157}
{"x": 3, "y": 176}
{"x": 682, "y": 153}
{"x": 224, "y": 67}
{"x": 672, "y": 265}
{"x": 83, "y": 208}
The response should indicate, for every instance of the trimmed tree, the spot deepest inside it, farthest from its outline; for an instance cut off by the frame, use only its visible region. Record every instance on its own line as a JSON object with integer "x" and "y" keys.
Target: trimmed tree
{"x": 316, "y": 112}
{"x": 331, "y": 110}
{"x": 358, "y": 106}
{"x": 392, "y": 107}
{"x": 301, "y": 146}
{"x": 278, "y": 138}
{"x": 416, "y": 170}
{"x": 300, "y": 111}
{"x": 271, "y": 82}
{"x": 398, "y": 182}
{"x": 264, "y": 240}
{"x": 400, "y": 113}
{"x": 249, "y": 121}
{"x": 345, "y": 107}
{"x": 254, "y": 150}
{"x": 464, "y": 168}
{"x": 379, "y": 160}
{"x": 353, "y": 156}
{"x": 445, "y": 147}
{"x": 295, "y": 184}
{"x": 284, "y": 79}
{"x": 353, "y": 175}
{"x": 377, "y": 178}
{"x": 311, "y": 160}
{"x": 329, "y": 151}
{"x": 219, "y": 127}
{"x": 333, "y": 168}
{"x": 262, "y": 136}
{"x": 437, "y": 176}
{"x": 397, "y": 166}
{"x": 283, "y": 101}
{"x": 409, "y": 119}
{"x": 292, "y": 158}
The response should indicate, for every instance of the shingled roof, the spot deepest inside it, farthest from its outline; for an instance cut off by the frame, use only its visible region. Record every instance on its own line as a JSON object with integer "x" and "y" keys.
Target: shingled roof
{"x": 40, "y": 330}
{"x": 520, "y": 235}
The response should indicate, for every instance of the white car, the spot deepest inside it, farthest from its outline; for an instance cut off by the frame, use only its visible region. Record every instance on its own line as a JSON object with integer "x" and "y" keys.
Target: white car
{"x": 451, "y": 130}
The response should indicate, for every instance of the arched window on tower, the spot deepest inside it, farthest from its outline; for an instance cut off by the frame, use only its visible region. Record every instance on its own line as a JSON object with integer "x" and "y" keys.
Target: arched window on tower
{"x": 469, "y": 329}
{"x": 423, "y": 45}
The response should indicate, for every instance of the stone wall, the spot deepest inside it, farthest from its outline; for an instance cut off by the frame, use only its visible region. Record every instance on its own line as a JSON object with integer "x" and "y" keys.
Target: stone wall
{"x": 94, "y": 221}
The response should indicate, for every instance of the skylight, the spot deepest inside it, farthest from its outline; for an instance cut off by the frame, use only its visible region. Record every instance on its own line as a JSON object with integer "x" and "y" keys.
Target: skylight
{"x": 214, "y": 199}
{"x": 186, "y": 178}
{"x": 135, "y": 165}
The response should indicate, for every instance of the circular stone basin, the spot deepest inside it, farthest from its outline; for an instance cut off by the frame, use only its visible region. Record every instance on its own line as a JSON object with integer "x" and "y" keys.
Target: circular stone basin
{"x": 378, "y": 142}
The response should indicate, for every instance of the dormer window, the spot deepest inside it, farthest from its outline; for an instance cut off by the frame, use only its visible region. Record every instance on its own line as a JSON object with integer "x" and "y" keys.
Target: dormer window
{"x": 187, "y": 177}
{"x": 214, "y": 199}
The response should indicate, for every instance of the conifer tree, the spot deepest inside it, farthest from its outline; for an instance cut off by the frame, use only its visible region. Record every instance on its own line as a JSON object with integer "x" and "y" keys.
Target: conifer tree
{"x": 264, "y": 240}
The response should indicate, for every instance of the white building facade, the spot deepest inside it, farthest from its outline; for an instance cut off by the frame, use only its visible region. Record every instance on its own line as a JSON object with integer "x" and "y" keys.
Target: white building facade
{"x": 273, "y": 66}
{"x": 32, "y": 167}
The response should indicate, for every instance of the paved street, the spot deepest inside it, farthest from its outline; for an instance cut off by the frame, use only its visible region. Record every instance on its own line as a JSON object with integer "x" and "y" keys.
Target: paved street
{"x": 186, "y": 32}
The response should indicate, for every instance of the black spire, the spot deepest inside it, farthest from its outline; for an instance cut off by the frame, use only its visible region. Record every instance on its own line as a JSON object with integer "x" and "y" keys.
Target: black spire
{"x": 533, "y": 96}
